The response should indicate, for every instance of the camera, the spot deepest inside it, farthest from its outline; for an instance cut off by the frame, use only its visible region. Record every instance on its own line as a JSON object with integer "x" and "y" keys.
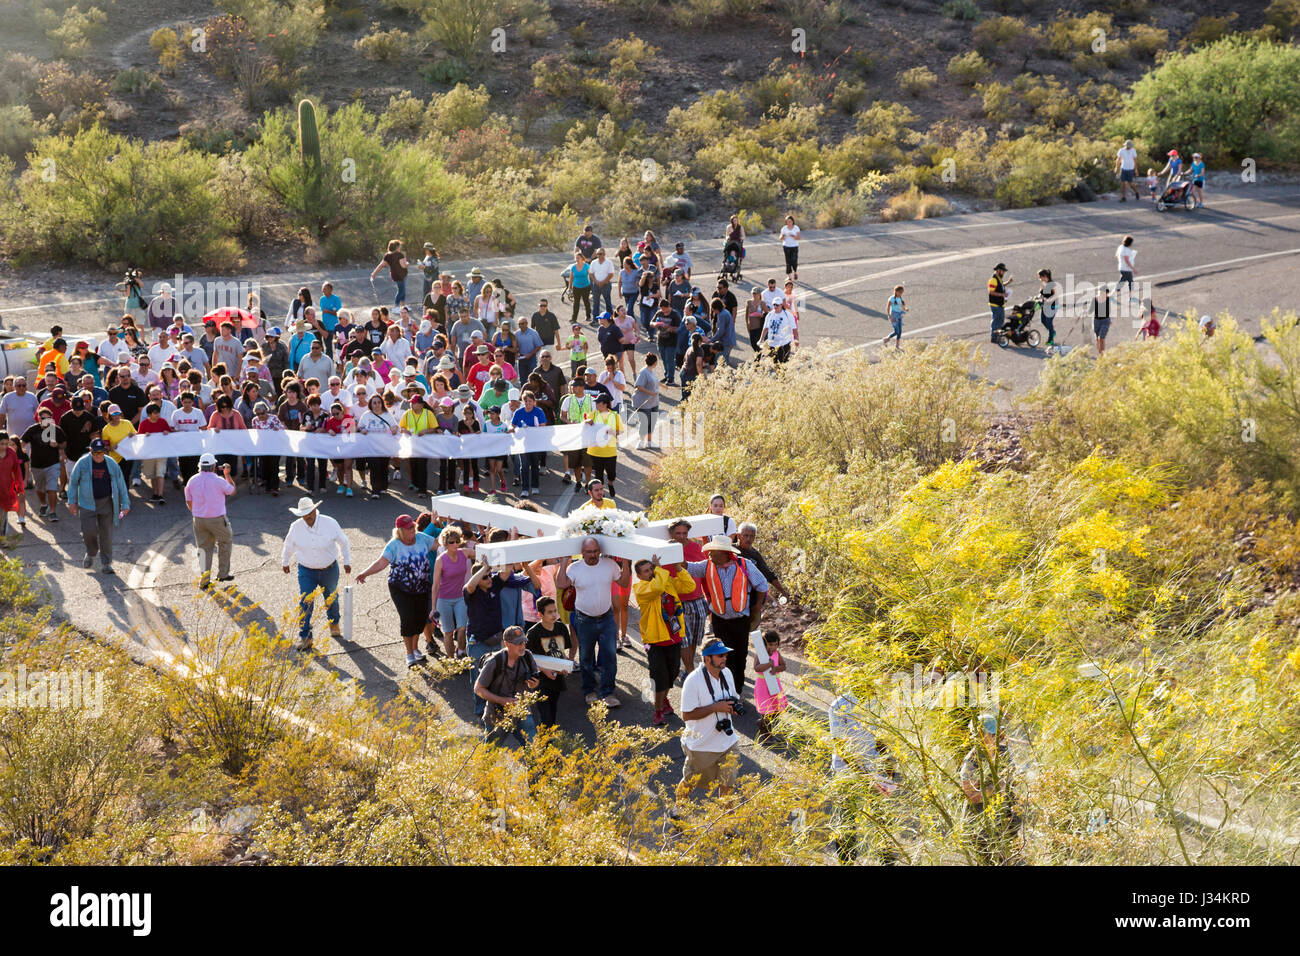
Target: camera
{"x": 724, "y": 723}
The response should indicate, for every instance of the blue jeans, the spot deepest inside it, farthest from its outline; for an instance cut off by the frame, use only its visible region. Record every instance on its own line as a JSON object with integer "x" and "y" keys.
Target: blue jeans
{"x": 647, "y": 313}
{"x": 669, "y": 355}
{"x": 602, "y": 292}
{"x": 524, "y": 731}
{"x": 309, "y": 579}
{"x": 526, "y": 367}
{"x": 629, "y": 302}
{"x": 399, "y": 296}
{"x": 530, "y": 472}
{"x": 998, "y": 317}
{"x": 597, "y": 634}
{"x": 476, "y": 651}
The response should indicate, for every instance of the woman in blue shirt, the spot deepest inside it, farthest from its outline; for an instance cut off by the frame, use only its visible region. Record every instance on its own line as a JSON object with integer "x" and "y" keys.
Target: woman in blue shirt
{"x": 1197, "y": 169}
{"x": 408, "y": 557}
{"x": 580, "y": 272}
{"x": 530, "y": 416}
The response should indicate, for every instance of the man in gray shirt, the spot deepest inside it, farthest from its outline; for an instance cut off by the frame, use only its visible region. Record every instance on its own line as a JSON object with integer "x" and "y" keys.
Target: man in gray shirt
{"x": 18, "y": 408}
{"x": 316, "y": 364}
{"x": 462, "y": 330}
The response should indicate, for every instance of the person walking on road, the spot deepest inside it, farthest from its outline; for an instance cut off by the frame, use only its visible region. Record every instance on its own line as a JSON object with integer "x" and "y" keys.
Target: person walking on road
{"x": 1101, "y": 316}
{"x": 98, "y": 490}
{"x": 319, "y": 544}
{"x": 1126, "y": 258}
{"x": 998, "y": 283}
{"x": 790, "y": 236}
{"x": 897, "y": 308}
{"x": 1126, "y": 166}
{"x": 205, "y": 496}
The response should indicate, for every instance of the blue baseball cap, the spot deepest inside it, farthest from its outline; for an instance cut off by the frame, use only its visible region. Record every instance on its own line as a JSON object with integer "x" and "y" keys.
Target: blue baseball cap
{"x": 604, "y": 315}
{"x": 274, "y": 330}
{"x": 98, "y": 444}
{"x": 716, "y": 647}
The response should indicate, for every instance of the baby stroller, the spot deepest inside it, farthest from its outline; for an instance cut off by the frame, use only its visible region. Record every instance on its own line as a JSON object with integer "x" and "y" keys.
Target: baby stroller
{"x": 1177, "y": 193}
{"x": 732, "y": 253}
{"x": 1016, "y": 331}
{"x": 567, "y": 295}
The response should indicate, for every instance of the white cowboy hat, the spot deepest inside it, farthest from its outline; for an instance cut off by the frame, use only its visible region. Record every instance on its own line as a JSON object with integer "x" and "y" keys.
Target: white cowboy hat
{"x": 720, "y": 542}
{"x": 305, "y": 506}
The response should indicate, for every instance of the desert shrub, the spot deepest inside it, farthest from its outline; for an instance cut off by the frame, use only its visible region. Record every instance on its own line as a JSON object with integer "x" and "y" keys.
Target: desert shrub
{"x": 1284, "y": 17}
{"x": 383, "y": 46}
{"x": 137, "y": 82}
{"x": 795, "y": 164}
{"x": 461, "y": 107}
{"x": 1071, "y": 37}
{"x": 892, "y": 121}
{"x": 999, "y": 101}
{"x": 706, "y": 120}
{"x": 749, "y": 185}
{"x": 532, "y": 20}
{"x": 254, "y": 212}
{"x": 169, "y": 49}
{"x": 1029, "y": 170}
{"x": 18, "y": 129}
{"x": 849, "y": 95}
{"x": 227, "y": 38}
{"x": 512, "y": 215}
{"x": 18, "y": 76}
{"x": 627, "y": 55}
{"x": 555, "y": 76}
{"x": 112, "y": 200}
{"x": 75, "y": 99}
{"x": 969, "y": 68}
{"x": 481, "y": 148}
{"x": 403, "y": 117}
{"x": 996, "y": 32}
{"x": 461, "y": 27}
{"x": 917, "y": 80}
{"x": 1208, "y": 29}
{"x": 1237, "y": 97}
{"x": 914, "y": 204}
{"x": 638, "y": 192}
{"x": 290, "y": 29}
{"x": 816, "y": 16}
{"x": 828, "y": 204}
{"x": 72, "y": 33}
{"x": 776, "y": 91}
{"x": 1145, "y": 40}
{"x": 694, "y": 14}
{"x": 960, "y": 9}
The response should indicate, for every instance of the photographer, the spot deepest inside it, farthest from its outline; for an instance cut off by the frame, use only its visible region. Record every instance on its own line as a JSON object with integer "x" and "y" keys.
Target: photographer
{"x": 709, "y": 702}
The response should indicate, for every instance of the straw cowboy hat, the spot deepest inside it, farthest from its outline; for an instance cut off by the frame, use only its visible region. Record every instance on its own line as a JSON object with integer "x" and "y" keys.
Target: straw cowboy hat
{"x": 305, "y": 506}
{"x": 720, "y": 542}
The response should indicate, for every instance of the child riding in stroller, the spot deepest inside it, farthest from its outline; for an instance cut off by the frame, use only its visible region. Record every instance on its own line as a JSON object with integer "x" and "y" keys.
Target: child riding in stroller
{"x": 733, "y": 253}
{"x": 1016, "y": 331}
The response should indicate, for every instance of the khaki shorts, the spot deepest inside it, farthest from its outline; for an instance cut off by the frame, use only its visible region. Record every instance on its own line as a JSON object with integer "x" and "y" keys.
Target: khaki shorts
{"x": 152, "y": 468}
{"x": 702, "y": 767}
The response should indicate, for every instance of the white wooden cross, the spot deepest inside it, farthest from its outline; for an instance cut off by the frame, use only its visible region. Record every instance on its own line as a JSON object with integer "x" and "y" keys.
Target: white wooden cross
{"x": 646, "y": 543}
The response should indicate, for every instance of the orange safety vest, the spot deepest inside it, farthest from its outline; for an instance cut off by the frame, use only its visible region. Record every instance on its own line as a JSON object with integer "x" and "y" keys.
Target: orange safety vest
{"x": 739, "y": 589}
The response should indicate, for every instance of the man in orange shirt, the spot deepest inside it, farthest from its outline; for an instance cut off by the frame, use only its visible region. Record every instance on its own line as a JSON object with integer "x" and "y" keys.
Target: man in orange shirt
{"x": 56, "y": 358}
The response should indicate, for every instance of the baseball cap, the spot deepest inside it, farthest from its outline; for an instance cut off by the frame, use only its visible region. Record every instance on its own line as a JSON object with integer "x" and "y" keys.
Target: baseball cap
{"x": 114, "y": 410}
{"x": 1000, "y": 265}
{"x": 274, "y": 332}
{"x": 716, "y": 648}
{"x": 207, "y": 458}
{"x": 404, "y": 521}
{"x": 98, "y": 444}
{"x": 514, "y": 634}
{"x": 513, "y": 396}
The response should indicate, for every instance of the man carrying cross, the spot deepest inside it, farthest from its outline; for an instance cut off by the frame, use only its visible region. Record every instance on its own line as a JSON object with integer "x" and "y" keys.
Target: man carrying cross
{"x": 593, "y": 616}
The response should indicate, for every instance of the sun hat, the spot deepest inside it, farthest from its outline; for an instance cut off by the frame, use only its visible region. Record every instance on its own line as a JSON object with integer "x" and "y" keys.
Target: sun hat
{"x": 446, "y": 362}
{"x": 476, "y": 273}
{"x": 482, "y": 350}
{"x": 447, "y": 402}
{"x": 720, "y": 542}
{"x": 305, "y": 506}
{"x": 513, "y": 396}
{"x": 428, "y": 245}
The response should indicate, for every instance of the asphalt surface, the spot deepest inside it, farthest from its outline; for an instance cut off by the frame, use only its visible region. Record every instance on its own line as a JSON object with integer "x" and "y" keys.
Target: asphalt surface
{"x": 1239, "y": 254}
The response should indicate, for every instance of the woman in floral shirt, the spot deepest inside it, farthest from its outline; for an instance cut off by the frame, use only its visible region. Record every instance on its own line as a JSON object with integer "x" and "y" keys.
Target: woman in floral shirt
{"x": 264, "y": 421}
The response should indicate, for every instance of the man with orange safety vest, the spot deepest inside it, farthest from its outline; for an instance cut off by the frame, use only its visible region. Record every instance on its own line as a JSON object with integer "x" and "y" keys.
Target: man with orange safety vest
{"x": 728, "y": 580}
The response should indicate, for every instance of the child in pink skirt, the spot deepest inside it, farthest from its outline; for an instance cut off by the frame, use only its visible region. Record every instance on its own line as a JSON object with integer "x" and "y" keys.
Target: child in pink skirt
{"x": 767, "y": 703}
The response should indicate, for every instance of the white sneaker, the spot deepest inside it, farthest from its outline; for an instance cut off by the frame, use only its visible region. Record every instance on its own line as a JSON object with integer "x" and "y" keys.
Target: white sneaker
{"x": 410, "y": 660}
{"x": 419, "y": 656}
{"x": 611, "y": 702}
{"x": 524, "y": 493}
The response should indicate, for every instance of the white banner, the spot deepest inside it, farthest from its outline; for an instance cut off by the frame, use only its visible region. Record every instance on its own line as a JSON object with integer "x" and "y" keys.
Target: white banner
{"x": 541, "y": 438}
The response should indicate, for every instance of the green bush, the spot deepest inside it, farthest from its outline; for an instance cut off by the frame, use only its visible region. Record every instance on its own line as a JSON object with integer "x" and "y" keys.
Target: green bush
{"x": 1030, "y": 170}
{"x": 76, "y": 99}
{"x": 969, "y": 68}
{"x": 694, "y": 14}
{"x": 97, "y": 197}
{"x": 532, "y": 20}
{"x": 1071, "y": 37}
{"x": 136, "y": 82}
{"x": 72, "y": 34}
{"x": 627, "y": 56}
{"x": 849, "y": 96}
{"x": 1284, "y": 17}
{"x": 1231, "y": 99}
{"x": 795, "y": 164}
{"x": 1208, "y": 29}
{"x": 914, "y": 204}
{"x": 18, "y": 128}
{"x": 461, "y": 27}
{"x": 169, "y": 49}
{"x": 993, "y": 34}
{"x": 1145, "y": 40}
{"x": 917, "y": 80}
{"x": 289, "y": 28}
{"x": 749, "y": 186}
{"x": 383, "y": 46}
{"x": 960, "y": 9}
{"x": 639, "y": 192}
{"x": 1000, "y": 103}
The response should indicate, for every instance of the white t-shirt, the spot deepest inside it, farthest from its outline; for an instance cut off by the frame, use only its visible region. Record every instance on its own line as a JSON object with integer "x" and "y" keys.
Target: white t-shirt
{"x": 112, "y": 352}
{"x": 616, "y": 383}
{"x": 772, "y": 296}
{"x": 160, "y": 355}
{"x": 703, "y": 735}
{"x": 190, "y": 421}
{"x": 599, "y": 271}
{"x": 790, "y": 236}
{"x": 396, "y": 352}
{"x": 328, "y": 398}
{"x": 591, "y": 583}
{"x": 1125, "y": 256}
{"x": 1127, "y": 158}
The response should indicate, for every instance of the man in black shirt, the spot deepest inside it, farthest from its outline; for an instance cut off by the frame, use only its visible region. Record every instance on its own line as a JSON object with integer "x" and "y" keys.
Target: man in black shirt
{"x": 80, "y": 425}
{"x": 587, "y": 243}
{"x": 546, "y": 324}
{"x": 359, "y": 345}
{"x": 595, "y": 388}
{"x": 46, "y": 446}
{"x": 728, "y": 297}
{"x": 666, "y": 324}
{"x": 128, "y": 396}
{"x": 553, "y": 376}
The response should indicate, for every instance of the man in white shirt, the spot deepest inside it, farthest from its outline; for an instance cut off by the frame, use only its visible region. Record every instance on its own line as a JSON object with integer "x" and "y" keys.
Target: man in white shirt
{"x": 143, "y": 375}
{"x": 1126, "y": 259}
{"x": 602, "y": 272}
{"x": 1126, "y": 166}
{"x": 162, "y": 351}
{"x": 593, "y": 616}
{"x": 112, "y": 349}
{"x": 709, "y": 713}
{"x": 396, "y": 349}
{"x": 778, "y": 331}
{"x": 772, "y": 295}
{"x": 318, "y": 543}
{"x": 337, "y": 393}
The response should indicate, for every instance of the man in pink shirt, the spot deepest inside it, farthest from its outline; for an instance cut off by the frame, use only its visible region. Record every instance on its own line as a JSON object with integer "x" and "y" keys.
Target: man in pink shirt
{"x": 205, "y": 496}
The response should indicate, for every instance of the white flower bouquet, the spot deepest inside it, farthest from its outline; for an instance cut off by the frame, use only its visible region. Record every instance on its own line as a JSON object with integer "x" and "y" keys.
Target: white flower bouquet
{"x": 587, "y": 521}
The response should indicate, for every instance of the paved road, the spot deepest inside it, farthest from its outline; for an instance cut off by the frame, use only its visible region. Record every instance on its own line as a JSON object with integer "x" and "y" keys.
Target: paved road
{"x": 1240, "y": 254}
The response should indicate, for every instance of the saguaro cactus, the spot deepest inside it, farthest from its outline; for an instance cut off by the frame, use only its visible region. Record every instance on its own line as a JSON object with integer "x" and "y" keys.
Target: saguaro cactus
{"x": 312, "y": 165}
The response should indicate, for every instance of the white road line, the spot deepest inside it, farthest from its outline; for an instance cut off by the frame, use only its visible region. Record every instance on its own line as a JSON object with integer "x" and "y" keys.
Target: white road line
{"x": 1154, "y": 275}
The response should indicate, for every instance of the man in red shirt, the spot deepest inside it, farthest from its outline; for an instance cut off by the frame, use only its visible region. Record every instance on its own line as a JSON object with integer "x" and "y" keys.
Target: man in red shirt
{"x": 57, "y": 403}
{"x": 480, "y": 372}
{"x": 694, "y": 604}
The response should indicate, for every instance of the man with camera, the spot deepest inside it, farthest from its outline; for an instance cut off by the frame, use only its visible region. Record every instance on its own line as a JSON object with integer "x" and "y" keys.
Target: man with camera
{"x": 709, "y": 702}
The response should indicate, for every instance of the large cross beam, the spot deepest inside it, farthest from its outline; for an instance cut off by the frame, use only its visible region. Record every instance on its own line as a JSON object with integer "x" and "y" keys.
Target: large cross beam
{"x": 646, "y": 543}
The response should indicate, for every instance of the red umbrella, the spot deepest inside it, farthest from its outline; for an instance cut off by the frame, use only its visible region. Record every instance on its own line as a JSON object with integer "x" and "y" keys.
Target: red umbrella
{"x": 246, "y": 318}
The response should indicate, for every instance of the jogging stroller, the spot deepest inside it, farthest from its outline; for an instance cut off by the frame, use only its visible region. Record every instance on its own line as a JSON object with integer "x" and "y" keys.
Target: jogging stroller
{"x": 1177, "y": 193}
{"x": 731, "y": 256}
{"x": 1016, "y": 331}
{"x": 567, "y": 295}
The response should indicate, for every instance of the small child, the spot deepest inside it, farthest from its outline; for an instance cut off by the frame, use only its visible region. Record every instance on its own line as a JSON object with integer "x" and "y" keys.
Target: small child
{"x": 896, "y": 308}
{"x": 1153, "y": 183}
{"x": 1151, "y": 328}
{"x": 13, "y": 484}
{"x": 576, "y": 345}
{"x": 496, "y": 463}
{"x": 154, "y": 470}
{"x": 767, "y": 703}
